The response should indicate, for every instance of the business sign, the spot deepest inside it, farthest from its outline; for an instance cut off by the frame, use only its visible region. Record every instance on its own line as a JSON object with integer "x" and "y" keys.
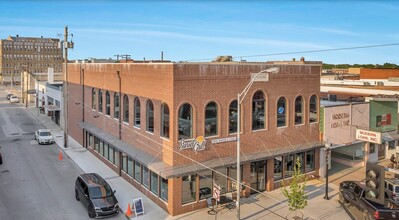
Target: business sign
{"x": 368, "y": 136}
{"x": 138, "y": 206}
{"x": 197, "y": 144}
{"x": 221, "y": 140}
{"x": 260, "y": 77}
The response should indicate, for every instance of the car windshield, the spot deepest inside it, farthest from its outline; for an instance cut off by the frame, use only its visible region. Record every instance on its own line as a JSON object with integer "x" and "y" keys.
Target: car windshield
{"x": 14, "y": 97}
{"x": 97, "y": 192}
{"x": 397, "y": 189}
{"x": 45, "y": 133}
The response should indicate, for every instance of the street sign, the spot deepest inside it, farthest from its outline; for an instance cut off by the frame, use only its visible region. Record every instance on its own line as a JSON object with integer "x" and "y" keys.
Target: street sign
{"x": 31, "y": 91}
{"x": 216, "y": 192}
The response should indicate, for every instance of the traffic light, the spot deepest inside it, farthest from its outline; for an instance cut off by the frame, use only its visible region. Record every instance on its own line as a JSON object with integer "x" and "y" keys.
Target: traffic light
{"x": 375, "y": 178}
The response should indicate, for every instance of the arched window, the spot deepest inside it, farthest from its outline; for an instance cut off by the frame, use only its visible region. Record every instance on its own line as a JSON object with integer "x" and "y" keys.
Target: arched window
{"x": 164, "y": 120}
{"x": 150, "y": 116}
{"x": 258, "y": 111}
{"x": 126, "y": 109}
{"x": 298, "y": 110}
{"x": 185, "y": 122}
{"x": 93, "y": 99}
{"x": 211, "y": 119}
{"x": 116, "y": 105}
{"x": 281, "y": 112}
{"x": 100, "y": 101}
{"x": 233, "y": 117}
{"x": 137, "y": 112}
{"x": 107, "y": 103}
{"x": 313, "y": 109}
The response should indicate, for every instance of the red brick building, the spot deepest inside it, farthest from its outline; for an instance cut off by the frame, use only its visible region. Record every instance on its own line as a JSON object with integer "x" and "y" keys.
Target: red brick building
{"x": 170, "y": 128}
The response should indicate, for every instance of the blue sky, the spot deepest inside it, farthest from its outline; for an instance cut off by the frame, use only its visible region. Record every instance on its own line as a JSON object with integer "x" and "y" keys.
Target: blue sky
{"x": 202, "y": 30}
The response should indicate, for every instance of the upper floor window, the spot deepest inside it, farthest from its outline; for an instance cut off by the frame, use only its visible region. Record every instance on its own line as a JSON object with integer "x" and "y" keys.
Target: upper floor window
{"x": 116, "y": 105}
{"x": 93, "y": 99}
{"x": 185, "y": 122}
{"x": 258, "y": 111}
{"x": 100, "y": 101}
{"x": 126, "y": 109}
{"x": 281, "y": 112}
{"x": 107, "y": 103}
{"x": 211, "y": 119}
{"x": 233, "y": 117}
{"x": 313, "y": 109}
{"x": 164, "y": 120}
{"x": 150, "y": 116}
{"x": 137, "y": 112}
{"x": 299, "y": 110}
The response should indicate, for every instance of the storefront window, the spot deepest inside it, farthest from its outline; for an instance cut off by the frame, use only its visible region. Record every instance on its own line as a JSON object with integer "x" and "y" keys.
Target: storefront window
{"x": 221, "y": 179}
{"x": 205, "y": 184}
{"x": 111, "y": 154}
{"x": 101, "y": 148}
{"x": 281, "y": 109}
{"x": 188, "y": 188}
{"x": 391, "y": 145}
{"x": 288, "y": 165}
{"x": 91, "y": 140}
{"x": 301, "y": 157}
{"x": 164, "y": 189}
{"x": 154, "y": 183}
{"x": 233, "y": 117}
{"x": 211, "y": 119}
{"x": 310, "y": 161}
{"x": 146, "y": 176}
{"x": 137, "y": 171}
{"x": 137, "y": 112}
{"x": 116, "y": 158}
{"x": 185, "y": 122}
{"x": 278, "y": 168}
{"x": 299, "y": 110}
{"x": 258, "y": 111}
{"x": 124, "y": 163}
{"x": 130, "y": 167}
{"x": 232, "y": 183}
{"x": 106, "y": 150}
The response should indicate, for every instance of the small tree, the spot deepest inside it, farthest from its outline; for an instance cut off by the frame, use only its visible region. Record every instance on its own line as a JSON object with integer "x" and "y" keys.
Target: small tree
{"x": 297, "y": 199}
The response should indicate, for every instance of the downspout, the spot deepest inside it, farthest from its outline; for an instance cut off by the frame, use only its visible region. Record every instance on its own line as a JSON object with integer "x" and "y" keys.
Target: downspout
{"x": 120, "y": 123}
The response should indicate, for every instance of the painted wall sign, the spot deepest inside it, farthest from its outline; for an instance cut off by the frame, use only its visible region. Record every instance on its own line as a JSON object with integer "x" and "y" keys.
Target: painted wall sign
{"x": 221, "y": 140}
{"x": 280, "y": 110}
{"x": 197, "y": 144}
{"x": 369, "y": 136}
{"x": 339, "y": 120}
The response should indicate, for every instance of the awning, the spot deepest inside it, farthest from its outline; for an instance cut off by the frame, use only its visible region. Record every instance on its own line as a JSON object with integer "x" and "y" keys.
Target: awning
{"x": 389, "y": 136}
{"x": 143, "y": 157}
{"x": 53, "y": 108}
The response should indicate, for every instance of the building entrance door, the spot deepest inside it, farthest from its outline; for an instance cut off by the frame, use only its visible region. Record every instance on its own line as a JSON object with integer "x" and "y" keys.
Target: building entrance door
{"x": 381, "y": 151}
{"x": 258, "y": 176}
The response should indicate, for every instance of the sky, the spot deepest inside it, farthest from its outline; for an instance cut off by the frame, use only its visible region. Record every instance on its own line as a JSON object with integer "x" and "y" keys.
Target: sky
{"x": 202, "y": 30}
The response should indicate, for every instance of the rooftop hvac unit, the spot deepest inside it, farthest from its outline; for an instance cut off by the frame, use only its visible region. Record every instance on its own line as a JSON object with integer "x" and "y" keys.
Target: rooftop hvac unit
{"x": 366, "y": 83}
{"x": 332, "y": 97}
{"x": 380, "y": 83}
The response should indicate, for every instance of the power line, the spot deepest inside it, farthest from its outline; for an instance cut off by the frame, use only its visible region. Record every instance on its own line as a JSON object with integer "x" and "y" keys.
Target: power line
{"x": 306, "y": 51}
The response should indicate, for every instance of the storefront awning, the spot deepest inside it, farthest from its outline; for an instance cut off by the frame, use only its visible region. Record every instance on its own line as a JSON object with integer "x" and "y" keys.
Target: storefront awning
{"x": 53, "y": 108}
{"x": 389, "y": 136}
{"x": 143, "y": 157}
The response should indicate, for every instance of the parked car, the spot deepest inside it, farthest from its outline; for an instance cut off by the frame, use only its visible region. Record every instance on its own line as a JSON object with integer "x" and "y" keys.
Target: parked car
{"x": 44, "y": 136}
{"x": 96, "y": 194}
{"x": 392, "y": 189}
{"x": 14, "y": 99}
{"x": 9, "y": 96}
{"x": 353, "y": 192}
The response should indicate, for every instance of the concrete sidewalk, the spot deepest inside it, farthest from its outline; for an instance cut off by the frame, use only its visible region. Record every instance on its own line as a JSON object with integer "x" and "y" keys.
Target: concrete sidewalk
{"x": 270, "y": 205}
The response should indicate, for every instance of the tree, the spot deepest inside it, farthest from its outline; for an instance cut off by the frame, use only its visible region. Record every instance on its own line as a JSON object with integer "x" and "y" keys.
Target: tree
{"x": 297, "y": 199}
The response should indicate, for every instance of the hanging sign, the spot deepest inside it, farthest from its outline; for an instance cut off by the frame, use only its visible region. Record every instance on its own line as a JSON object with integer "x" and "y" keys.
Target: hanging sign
{"x": 369, "y": 136}
{"x": 197, "y": 144}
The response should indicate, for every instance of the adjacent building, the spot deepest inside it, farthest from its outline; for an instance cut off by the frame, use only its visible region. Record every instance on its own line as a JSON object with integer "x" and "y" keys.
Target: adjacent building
{"x": 31, "y": 54}
{"x": 170, "y": 128}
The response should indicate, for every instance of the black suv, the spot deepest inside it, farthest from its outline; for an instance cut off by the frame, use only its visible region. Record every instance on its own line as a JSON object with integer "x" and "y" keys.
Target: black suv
{"x": 96, "y": 194}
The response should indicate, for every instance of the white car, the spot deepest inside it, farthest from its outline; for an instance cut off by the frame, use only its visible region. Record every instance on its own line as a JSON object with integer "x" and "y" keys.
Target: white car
{"x": 14, "y": 99}
{"x": 44, "y": 136}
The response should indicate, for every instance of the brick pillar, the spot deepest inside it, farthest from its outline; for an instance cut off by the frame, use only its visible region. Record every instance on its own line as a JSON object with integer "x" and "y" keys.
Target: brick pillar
{"x": 270, "y": 174}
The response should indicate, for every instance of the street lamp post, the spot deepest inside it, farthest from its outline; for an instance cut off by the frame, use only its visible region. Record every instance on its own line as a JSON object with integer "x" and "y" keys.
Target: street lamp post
{"x": 240, "y": 98}
{"x": 328, "y": 150}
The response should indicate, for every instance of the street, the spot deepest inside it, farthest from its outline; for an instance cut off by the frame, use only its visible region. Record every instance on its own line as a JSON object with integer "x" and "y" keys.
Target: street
{"x": 34, "y": 183}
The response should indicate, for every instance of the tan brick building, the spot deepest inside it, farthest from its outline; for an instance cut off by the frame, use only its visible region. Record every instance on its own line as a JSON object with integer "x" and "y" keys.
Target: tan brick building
{"x": 170, "y": 128}
{"x": 31, "y": 54}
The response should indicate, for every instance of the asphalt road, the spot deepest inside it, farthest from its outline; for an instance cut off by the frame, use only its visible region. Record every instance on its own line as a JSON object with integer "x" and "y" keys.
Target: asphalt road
{"x": 34, "y": 184}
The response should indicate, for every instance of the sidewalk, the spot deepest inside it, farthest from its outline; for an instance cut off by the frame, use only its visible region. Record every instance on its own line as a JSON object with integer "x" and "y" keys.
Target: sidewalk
{"x": 261, "y": 206}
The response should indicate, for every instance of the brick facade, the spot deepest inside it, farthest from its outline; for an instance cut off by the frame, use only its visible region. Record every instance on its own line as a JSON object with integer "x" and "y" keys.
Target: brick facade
{"x": 196, "y": 84}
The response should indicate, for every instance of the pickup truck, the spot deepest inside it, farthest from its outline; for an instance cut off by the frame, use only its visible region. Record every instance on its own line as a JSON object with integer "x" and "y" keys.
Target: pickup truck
{"x": 353, "y": 192}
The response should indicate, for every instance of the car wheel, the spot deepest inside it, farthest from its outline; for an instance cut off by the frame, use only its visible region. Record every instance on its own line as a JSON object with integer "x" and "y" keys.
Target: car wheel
{"x": 35, "y": 137}
{"x": 77, "y": 195}
{"x": 342, "y": 199}
{"x": 91, "y": 212}
{"x": 366, "y": 216}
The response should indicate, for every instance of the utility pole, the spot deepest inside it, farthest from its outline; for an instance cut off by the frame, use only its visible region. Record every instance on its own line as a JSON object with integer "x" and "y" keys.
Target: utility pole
{"x": 65, "y": 46}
